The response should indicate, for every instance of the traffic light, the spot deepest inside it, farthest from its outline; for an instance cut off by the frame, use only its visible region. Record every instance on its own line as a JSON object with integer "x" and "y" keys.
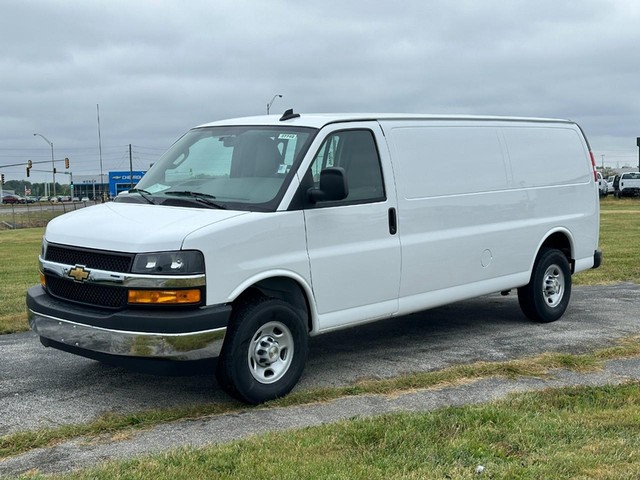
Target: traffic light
{"x": 29, "y": 164}
{"x": 54, "y": 170}
{"x": 66, "y": 163}
{"x": 2, "y": 179}
{"x": 28, "y": 171}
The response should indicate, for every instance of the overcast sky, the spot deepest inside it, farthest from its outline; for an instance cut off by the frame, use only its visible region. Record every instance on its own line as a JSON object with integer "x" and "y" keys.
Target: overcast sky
{"x": 157, "y": 68}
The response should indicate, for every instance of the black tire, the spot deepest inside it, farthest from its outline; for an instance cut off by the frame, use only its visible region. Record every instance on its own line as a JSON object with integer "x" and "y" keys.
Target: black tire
{"x": 264, "y": 352}
{"x": 546, "y": 297}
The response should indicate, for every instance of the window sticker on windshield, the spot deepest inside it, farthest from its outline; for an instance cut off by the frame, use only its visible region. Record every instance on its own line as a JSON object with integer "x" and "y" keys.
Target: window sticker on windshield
{"x": 287, "y": 136}
{"x": 282, "y": 168}
{"x": 158, "y": 187}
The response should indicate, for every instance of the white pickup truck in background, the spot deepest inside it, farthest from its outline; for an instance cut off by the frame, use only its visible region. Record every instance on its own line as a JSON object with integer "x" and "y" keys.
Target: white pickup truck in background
{"x": 629, "y": 185}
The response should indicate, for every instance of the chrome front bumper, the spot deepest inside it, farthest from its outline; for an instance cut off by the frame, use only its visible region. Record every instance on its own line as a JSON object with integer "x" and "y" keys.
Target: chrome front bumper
{"x": 170, "y": 346}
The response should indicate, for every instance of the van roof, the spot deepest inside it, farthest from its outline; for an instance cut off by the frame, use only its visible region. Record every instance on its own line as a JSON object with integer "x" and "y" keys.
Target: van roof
{"x": 319, "y": 120}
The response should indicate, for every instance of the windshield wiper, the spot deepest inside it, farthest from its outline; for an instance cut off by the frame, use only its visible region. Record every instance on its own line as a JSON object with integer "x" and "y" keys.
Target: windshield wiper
{"x": 198, "y": 196}
{"x": 144, "y": 194}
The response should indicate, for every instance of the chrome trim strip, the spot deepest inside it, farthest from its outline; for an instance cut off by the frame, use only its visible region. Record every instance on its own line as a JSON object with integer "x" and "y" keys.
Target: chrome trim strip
{"x": 173, "y": 346}
{"x": 125, "y": 280}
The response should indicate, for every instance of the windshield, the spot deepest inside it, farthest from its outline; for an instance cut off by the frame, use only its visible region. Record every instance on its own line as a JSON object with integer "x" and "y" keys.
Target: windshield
{"x": 245, "y": 168}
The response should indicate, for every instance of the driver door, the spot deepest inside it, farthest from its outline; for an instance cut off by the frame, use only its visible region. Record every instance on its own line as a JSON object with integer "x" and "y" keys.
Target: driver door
{"x": 353, "y": 245}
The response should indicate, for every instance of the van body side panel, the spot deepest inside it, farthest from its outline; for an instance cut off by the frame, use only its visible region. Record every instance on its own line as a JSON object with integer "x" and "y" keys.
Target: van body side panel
{"x": 473, "y": 210}
{"x": 262, "y": 245}
{"x": 552, "y": 166}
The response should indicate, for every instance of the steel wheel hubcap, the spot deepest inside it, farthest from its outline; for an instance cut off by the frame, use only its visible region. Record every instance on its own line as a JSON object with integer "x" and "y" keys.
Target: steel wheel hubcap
{"x": 270, "y": 352}
{"x": 553, "y": 286}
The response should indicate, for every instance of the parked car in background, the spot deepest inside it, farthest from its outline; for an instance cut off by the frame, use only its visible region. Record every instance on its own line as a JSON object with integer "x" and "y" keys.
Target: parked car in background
{"x": 12, "y": 199}
{"x": 610, "y": 188}
{"x": 602, "y": 185}
{"x": 75, "y": 199}
{"x": 616, "y": 184}
{"x": 85, "y": 199}
{"x": 629, "y": 184}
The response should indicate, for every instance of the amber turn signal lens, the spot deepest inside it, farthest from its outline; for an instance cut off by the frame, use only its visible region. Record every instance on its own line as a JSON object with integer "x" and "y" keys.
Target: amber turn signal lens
{"x": 164, "y": 297}
{"x": 43, "y": 280}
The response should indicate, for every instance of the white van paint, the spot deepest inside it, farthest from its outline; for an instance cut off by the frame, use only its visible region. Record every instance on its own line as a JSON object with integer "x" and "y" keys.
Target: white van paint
{"x": 237, "y": 207}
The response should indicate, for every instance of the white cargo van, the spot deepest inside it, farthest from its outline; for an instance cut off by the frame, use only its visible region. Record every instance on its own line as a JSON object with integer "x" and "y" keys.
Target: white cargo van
{"x": 251, "y": 234}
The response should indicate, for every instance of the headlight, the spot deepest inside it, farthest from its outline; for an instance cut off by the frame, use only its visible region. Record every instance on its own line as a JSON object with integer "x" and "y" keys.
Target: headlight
{"x": 183, "y": 262}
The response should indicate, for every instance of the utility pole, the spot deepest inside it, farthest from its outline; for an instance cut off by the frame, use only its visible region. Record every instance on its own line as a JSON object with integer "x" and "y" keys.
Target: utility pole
{"x": 130, "y": 168}
{"x": 100, "y": 152}
{"x": 603, "y": 161}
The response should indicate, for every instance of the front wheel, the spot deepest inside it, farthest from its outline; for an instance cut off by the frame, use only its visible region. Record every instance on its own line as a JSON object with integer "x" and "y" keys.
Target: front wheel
{"x": 264, "y": 352}
{"x": 546, "y": 297}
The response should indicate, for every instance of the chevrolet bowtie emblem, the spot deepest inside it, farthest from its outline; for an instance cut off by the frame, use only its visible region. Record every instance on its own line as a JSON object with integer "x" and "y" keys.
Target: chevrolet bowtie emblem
{"x": 78, "y": 273}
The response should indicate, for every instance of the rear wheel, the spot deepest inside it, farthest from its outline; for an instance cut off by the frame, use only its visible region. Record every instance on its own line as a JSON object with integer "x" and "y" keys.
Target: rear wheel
{"x": 264, "y": 352}
{"x": 546, "y": 297}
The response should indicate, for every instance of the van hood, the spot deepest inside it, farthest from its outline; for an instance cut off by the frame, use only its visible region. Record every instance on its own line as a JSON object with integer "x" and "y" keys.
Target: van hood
{"x": 133, "y": 228}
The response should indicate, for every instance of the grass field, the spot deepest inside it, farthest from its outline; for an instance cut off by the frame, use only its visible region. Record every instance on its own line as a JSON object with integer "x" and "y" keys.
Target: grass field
{"x": 582, "y": 432}
{"x": 619, "y": 242}
{"x": 19, "y": 251}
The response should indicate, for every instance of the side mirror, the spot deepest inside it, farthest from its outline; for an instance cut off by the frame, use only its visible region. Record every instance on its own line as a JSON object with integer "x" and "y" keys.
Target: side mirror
{"x": 333, "y": 186}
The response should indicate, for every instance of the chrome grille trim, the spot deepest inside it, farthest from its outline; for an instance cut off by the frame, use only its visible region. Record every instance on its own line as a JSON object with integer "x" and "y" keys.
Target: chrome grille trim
{"x": 124, "y": 280}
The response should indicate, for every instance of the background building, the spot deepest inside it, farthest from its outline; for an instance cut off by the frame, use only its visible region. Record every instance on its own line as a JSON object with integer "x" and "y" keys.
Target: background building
{"x": 91, "y": 187}
{"x": 88, "y": 186}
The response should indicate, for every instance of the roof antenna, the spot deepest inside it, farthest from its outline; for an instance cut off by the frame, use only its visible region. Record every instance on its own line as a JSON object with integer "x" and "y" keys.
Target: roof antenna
{"x": 288, "y": 115}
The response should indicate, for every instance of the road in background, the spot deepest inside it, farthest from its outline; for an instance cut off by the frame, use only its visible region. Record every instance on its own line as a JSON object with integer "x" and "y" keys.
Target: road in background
{"x": 35, "y": 214}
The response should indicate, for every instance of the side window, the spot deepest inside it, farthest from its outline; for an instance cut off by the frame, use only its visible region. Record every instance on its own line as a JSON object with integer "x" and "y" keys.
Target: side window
{"x": 356, "y": 152}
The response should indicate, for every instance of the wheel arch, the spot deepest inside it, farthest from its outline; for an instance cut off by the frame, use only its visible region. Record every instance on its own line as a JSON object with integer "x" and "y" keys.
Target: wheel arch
{"x": 559, "y": 239}
{"x": 285, "y": 286}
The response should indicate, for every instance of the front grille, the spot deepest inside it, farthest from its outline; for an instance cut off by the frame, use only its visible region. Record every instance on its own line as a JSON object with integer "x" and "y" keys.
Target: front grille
{"x": 110, "y": 297}
{"x": 100, "y": 260}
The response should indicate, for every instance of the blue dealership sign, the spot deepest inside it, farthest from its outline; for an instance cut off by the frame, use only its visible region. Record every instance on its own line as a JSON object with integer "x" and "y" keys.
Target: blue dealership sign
{"x": 121, "y": 181}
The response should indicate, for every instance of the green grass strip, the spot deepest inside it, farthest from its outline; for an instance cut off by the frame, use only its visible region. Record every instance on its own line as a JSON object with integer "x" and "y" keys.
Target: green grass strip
{"x": 568, "y": 433}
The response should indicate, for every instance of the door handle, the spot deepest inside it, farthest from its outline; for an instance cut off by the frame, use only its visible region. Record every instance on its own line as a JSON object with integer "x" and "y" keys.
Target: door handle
{"x": 393, "y": 221}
